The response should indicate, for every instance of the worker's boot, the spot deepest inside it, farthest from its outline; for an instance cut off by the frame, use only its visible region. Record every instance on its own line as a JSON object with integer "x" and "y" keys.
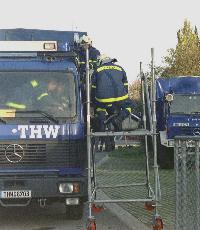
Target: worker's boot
{"x": 117, "y": 123}
{"x": 109, "y": 144}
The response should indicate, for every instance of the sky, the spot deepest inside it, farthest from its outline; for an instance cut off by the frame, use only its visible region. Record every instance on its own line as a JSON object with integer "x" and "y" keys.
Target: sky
{"x": 124, "y": 29}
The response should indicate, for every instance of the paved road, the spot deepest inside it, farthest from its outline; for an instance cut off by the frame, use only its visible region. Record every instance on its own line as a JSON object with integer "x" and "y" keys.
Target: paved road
{"x": 52, "y": 218}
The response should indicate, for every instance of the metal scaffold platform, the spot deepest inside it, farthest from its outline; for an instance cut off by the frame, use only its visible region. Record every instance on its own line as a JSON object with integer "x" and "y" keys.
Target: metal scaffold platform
{"x": 148, "y": 131}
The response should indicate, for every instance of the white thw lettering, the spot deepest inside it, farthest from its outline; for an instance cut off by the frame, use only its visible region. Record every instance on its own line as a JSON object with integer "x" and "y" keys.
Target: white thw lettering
{"x": 51, "y": 130}
{"x": 22, "y": 129}
{"x": 36, "y": 131}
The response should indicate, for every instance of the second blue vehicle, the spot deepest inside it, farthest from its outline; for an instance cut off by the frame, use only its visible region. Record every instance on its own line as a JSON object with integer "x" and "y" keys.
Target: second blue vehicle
{"x": 178, "y": 113}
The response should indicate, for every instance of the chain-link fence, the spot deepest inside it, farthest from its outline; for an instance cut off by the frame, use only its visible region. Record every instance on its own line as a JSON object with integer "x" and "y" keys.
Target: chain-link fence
{"x": 187, "y": 163}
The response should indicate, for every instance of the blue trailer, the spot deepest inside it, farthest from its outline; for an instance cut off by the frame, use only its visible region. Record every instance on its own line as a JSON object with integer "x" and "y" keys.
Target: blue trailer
{"x": 178, "y": 113}
{"x": 43, "y": 156}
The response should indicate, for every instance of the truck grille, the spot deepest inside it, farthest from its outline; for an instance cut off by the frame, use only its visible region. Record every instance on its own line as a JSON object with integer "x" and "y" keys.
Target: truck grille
{"x": 49, "y": 154}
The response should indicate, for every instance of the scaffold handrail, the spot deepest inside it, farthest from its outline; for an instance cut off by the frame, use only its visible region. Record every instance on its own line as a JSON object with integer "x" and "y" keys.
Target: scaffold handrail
{"x": 137, "y": 132}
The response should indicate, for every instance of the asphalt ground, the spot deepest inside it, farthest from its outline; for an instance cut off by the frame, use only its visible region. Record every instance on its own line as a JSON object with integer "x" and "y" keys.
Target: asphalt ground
{"x": 53, "y": 218}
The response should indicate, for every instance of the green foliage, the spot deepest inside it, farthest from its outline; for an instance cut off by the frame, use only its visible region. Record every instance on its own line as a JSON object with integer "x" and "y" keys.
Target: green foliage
{"x": 185, "y": 58}
{"x": 182, "y": 61}
{"x": 135, "y": 94}
{"x": 158, "y": 72}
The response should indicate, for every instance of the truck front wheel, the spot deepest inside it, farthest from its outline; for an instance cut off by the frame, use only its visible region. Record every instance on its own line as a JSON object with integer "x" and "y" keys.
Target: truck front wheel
{"x": 165, "y": 156}
{"x": 74, "y": 212}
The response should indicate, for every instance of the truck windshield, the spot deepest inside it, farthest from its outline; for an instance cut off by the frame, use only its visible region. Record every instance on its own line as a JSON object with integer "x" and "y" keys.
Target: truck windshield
{"x": 50, "y": 92}
{"x": 185, "y": 104}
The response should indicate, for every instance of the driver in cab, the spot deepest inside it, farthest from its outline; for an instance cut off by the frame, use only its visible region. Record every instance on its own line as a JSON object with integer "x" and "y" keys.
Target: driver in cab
{"x": 53, "y": 99}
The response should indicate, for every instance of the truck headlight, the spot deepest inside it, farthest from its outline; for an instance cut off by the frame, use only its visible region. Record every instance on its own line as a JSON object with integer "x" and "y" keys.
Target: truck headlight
{"x": 50, "y": 46}
{"x": 171, "y": 143}
{"x": 169, "y": 97}
{"x": 69, "y": 188}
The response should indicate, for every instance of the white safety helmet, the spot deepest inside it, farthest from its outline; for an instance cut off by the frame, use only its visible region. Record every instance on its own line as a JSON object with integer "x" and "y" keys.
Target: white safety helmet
{"x": 85, "y": 40}
{"x": 103, "y": 58}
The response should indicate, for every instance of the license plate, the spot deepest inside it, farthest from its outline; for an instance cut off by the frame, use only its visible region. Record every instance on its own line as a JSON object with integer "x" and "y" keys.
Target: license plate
{"x": 11, "y": 194}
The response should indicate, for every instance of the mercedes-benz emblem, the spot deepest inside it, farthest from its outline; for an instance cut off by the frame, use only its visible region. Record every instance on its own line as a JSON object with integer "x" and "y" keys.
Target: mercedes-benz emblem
{"x": 14, "y": 153}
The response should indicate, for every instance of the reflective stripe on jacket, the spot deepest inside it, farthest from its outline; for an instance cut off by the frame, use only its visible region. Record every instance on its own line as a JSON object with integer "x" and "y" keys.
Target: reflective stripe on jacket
{"x": 41, "y": 96}
{"x": 15, "y": 105}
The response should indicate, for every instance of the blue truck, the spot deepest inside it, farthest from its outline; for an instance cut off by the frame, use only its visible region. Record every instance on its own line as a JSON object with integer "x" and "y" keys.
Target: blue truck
{"x": 43, "y": 155}
{"x": 178, "y": 113}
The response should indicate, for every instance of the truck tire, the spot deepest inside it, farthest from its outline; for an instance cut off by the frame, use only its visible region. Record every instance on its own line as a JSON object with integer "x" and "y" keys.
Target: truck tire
{"x": 165, "y": 156}
{"x": 74, "y": 212}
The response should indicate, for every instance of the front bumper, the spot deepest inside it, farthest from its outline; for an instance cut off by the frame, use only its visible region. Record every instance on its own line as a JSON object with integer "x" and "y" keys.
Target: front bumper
{"x": 43, "y": 186}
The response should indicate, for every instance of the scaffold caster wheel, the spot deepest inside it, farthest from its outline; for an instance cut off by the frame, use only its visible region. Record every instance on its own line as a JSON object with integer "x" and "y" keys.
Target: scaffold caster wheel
{"x": 158, "y": 224}
{"x": 149, "y": 206}
{"x": 96, "y": 208}
{"x": 91, "y": 225}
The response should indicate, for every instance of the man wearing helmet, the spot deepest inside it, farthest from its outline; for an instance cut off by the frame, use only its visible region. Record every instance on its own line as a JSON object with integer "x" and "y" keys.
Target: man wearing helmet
{"x": 110, "y": 92}
{"x": 86, "y": 41}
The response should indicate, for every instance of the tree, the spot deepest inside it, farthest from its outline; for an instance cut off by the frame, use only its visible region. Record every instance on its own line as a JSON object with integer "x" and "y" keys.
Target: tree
{"x": 185, "y": 58}
{"x": 135, "y": 94}
{"x": 182, "y": 61}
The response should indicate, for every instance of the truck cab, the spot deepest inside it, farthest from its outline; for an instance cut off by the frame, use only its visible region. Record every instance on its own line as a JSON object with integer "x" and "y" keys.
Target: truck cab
{"x": 42, "y": 132}
{"x": 178, "y": 110}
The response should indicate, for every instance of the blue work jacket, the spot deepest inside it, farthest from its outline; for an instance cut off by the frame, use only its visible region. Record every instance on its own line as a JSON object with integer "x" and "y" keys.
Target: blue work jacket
{"x": 93, "y": 54}
{"x": 109, "y": 83}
